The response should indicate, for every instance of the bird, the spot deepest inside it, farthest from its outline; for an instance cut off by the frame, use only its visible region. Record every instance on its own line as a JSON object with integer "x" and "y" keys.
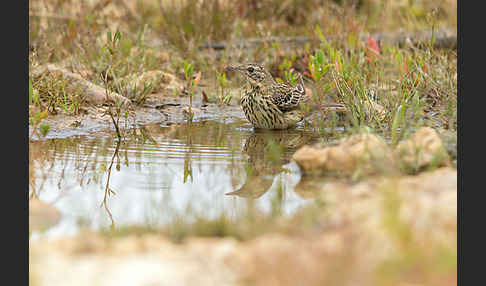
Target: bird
{"x": 268, "y": 104}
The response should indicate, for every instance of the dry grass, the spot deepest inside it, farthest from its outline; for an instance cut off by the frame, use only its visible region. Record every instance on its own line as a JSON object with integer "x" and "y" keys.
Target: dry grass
{"x": 411, "y": 83}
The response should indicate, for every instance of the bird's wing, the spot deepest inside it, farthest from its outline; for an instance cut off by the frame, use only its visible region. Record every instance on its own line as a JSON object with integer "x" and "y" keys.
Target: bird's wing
{"x": 288, "y": 97}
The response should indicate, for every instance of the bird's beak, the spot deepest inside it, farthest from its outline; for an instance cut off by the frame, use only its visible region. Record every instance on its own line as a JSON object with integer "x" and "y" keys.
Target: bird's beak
{"x": 233, "y": 68}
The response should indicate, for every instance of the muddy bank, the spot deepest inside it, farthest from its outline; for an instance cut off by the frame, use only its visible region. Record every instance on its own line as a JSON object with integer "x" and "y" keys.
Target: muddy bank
{"x": 159, "y": 108}
{"x": 167, "y": 103}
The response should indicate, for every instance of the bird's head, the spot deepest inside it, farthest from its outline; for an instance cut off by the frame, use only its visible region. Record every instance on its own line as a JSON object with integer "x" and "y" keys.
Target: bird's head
{"x": 255, "y": 74}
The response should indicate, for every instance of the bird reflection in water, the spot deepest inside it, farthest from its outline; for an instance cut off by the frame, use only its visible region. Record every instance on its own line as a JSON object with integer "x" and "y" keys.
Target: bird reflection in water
{"x": 268, "y": 151}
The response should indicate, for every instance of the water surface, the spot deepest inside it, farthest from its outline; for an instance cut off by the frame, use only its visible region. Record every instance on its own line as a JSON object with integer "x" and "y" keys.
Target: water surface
{"x": 160, "y": 173}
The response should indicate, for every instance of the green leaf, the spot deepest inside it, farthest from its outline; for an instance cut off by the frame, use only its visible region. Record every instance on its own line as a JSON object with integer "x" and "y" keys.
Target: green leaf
{"x": 340, "y": 60}
{"x": 352, "y": 40}
{"x": 320, "y": 57}
{"x": 188, "y": 68}
{"x": 105, "y": 50}
{"x": 44, "y": 128}
{"x": 187, "y": 169}
{"x": 399, "y": 57}
{"x": 317, "y": 74}
{"x": 332, "y": 53}
{"x": 71, "y": 24}
{"x": 40, "y": 115}
{"x": 324, "y": 69}
{"x": 290, "y": 77}
{"x": 141, "y": 35}
{"x": 326, "y": 87}
{"x": 117, "y": 36}
{"x": 35, "y": 96}
{"x": 319, "y": 33}
{"x": 221, "y": 78}
{"x": 108, "y": 35}
{"x": 227, "y": 98}
{"x": 396, "y": 122}
{"x": 31, "y": 92}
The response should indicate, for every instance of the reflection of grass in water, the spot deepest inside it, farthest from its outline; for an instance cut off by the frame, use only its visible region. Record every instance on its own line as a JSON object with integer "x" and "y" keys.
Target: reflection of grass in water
{"x": 109, "y": 191}
{"x": 89, "y": 158}
{"x": 247, "y": 225}
{"x": 274, "y": 151}
{"x": 44, "y": 155}
{"x": 187, "y": 168}
{"x": 84, "y": 155}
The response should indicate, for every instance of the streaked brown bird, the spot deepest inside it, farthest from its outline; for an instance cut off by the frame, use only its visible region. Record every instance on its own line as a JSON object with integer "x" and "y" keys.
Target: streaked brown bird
{"x": 268, "y": 104}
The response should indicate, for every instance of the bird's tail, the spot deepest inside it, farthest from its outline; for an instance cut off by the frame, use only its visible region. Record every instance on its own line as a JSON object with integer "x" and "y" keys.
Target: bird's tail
{"x": 300, "y": 88}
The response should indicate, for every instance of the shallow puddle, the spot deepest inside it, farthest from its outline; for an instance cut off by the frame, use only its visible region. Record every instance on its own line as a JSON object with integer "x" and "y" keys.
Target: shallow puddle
{"x": 161, "y": 173}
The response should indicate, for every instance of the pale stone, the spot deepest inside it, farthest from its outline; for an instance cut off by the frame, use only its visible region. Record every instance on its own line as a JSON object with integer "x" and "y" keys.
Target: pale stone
{"x": 424, "y": 149}
{"x": 365, "y": 153}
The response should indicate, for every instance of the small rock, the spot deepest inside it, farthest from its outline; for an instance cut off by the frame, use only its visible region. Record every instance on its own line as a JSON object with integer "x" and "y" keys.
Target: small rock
{"x": 94, "y": 94}
{"x": 424, "y": 149}
{"x": 76, "y": 123}
{"x": 364, "y": 153}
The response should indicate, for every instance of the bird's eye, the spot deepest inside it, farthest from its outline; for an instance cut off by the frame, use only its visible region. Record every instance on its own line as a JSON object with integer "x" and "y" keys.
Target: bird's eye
{"x": 250, "y": 69}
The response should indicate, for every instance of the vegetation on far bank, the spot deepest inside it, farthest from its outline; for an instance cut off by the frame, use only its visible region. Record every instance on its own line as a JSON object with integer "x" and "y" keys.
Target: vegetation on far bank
{"x": 105, "y": 43}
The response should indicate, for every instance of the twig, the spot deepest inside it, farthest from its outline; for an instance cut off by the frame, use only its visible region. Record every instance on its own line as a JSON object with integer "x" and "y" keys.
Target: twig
{"x": 115, "y": 123}
{"x": 108, "y": 191}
